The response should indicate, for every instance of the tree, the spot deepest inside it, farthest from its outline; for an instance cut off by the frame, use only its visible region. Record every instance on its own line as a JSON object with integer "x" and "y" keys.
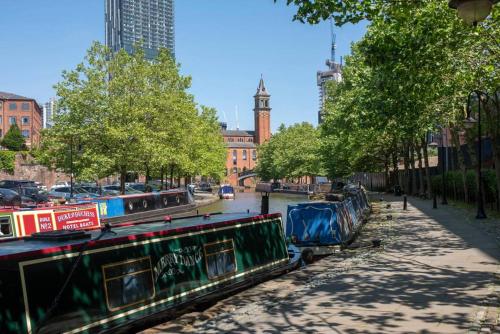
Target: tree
{"x": 292, "y": 152}
{"x": 14, "y": 139}
{"x": 120, "y": 113}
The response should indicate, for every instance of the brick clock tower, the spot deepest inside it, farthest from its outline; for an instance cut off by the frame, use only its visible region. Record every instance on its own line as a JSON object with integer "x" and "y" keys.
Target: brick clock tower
{"x": 262, "y": 114}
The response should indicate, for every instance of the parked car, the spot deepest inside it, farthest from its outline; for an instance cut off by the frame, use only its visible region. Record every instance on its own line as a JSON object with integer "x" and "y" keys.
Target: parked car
{"x": 150, "y": 187}
{"x": 65, "y": 192}
{"x": 204, "y": 186}
{"x": 128, "y": 190}
{"x": 34, "y": 194}
{"x": 16, "y": 184}
{"x": 9, "y": 197}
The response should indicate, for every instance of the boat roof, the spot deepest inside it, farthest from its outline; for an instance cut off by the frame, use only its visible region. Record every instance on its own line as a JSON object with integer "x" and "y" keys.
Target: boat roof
{"x": 126, "y": 232}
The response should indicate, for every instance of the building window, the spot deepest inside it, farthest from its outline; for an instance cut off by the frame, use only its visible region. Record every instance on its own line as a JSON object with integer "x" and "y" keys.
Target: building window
{"x": 230, "y": 140}
{"x": 244, "y": 154}
{"x": 1, "y": 133}
{"x": 12, "y": 106}
{"x": 25, "y": 120}
{"x": 127, "y": 283}
{"x": 235, "y": 170}
{"x": 220, "y": 258}
{"x": 235, "y": 157}
{"x": 26, "y": 133}
{"x": 266, "y": 103}
{"x": 250, "y": 140}
{"x": 254, "y": 155}
{"x": 12, "y": 120}
{"x": 1, "y": 119}
{"x": 25, "y": 106}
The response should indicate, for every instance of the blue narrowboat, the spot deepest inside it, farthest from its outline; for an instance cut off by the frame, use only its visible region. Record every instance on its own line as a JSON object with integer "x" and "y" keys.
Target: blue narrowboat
{"x": 141, "y": 207}
{"x": 318, "y": 228}
{"x": 226, "y": 192}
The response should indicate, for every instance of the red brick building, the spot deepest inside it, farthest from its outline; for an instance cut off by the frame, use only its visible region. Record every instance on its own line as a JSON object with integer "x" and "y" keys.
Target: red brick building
{"x": 242, "y": 144}
{"x": 23, "y": 111}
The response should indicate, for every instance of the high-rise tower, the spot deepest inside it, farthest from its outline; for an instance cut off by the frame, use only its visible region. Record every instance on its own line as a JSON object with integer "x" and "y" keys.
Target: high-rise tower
{"x": 146, "y": 22}
{"x": 334, "y": 73}
{"x": 262, "y": 114}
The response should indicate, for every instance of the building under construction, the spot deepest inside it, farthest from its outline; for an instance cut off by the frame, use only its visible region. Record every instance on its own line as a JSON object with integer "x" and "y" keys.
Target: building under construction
{"x": 334, "y": 73}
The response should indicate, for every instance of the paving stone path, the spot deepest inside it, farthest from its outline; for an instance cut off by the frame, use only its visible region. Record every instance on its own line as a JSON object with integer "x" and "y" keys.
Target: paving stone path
{"x": 437, "y": 272}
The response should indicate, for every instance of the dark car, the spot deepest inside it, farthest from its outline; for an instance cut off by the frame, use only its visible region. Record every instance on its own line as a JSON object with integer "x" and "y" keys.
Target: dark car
{"x": 146, "y": 188}
{"x": 16, "y": 184}
{"x": 34, "y": 194}
{"x": 204, "y": 186}
{"x": 9, "y": 197}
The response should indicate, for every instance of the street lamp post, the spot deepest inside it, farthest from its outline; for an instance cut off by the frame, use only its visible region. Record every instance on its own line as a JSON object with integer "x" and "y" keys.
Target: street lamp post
{"x": 480, "y": 203}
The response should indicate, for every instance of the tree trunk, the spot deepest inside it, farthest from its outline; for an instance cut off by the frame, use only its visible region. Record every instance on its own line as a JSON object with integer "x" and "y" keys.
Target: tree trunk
{"x": 395, "y": 177}
{"x": 162, "y": 175}
{"x": 406, "y": 174}
{"x": 171, "y": 176}
{"x": 426, "y": 164}
{"x": 386, "y": 172}
{"x": 123, "y": 177}
{"x": 147, "y": 174}
{"x": 413, "y": 171}
{"x": 421, "y": 189}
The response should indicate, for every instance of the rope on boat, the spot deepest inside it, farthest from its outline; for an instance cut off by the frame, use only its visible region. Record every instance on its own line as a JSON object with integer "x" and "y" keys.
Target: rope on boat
{"x": 106, "y": 229}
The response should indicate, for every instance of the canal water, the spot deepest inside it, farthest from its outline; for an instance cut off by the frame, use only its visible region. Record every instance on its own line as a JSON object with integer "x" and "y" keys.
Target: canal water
{"x": 251, "y": 200}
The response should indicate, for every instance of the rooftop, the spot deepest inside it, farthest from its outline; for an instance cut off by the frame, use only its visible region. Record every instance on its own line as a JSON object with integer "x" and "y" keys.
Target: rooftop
{"x": 241, "y": 145}
{"x": 10, "y": 96}
{"x": 238, "y": 133}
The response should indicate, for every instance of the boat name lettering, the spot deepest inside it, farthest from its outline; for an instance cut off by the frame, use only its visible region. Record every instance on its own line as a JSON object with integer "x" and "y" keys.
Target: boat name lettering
{"x": 75, "y": 214}
{"x": 169, "y": 264}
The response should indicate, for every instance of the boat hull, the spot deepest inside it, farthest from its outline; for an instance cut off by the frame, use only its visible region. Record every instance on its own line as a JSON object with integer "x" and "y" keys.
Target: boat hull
{"x": 119, "y": 280}
{"x": 321, "y": 228}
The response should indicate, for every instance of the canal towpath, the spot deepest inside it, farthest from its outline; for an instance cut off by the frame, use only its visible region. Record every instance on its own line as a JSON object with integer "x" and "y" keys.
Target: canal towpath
{"x": 436, "y": 272}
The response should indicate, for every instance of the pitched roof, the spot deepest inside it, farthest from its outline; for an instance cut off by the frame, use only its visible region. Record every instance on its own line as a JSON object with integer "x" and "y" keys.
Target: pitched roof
{"x": 241, "y": 145}
{"x": 261, "y": 90}
{"x": 238, "y": 133}
{"x": 10, "y": 96}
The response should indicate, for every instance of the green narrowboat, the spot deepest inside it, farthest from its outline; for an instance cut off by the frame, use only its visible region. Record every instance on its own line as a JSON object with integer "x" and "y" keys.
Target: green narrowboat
{"x": 109, "y": 279}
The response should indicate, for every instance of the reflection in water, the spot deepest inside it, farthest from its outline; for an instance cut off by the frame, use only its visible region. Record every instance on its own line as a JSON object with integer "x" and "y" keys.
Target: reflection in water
{"x": 251, "y": 201}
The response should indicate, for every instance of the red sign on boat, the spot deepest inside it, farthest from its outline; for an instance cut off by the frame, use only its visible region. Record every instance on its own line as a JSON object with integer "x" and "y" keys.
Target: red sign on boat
{"x": 77, "y": 219}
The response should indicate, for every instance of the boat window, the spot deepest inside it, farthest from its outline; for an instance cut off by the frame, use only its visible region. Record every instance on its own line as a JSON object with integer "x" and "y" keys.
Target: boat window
{"x": 127, "y": 283}
{"x": 220, "y": 258}
{"x": 5, "y": 227}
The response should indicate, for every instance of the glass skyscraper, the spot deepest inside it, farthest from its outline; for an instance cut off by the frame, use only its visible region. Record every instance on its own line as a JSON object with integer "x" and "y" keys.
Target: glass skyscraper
{"x": 147, "y": 22}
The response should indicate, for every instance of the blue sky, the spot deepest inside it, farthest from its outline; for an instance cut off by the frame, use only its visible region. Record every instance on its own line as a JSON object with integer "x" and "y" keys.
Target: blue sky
{"x": 225, "y": 45}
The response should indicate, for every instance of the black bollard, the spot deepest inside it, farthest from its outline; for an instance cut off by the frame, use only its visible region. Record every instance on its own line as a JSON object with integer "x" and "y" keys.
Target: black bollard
{"x": 434, "y": 202}
{"x": 405, "y": 203}
{"x": 264, "y": 207}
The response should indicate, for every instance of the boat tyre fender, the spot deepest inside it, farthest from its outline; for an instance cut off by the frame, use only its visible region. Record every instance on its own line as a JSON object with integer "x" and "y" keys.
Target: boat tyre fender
{"x": 308, "y": 255}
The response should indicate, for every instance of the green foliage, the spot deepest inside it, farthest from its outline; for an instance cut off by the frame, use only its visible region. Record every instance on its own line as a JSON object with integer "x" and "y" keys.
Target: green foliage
{"x": 13, "y": 139}
{"x": 410, "y": 74}
{"x": 291, "y": 153}
{"x": 8, "y": 161}
{"x": 120, "y": 113}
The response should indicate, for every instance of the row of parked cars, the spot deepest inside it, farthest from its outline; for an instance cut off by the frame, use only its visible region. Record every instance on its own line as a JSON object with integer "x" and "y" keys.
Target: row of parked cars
{"x": 24, "y": 193}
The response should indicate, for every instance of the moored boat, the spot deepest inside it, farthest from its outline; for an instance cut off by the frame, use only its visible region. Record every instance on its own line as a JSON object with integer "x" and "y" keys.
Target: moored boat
{"x": 94, "y": 281}
{"x": 18, "y": 222}
{"x": 226, "y": 192}
{"x": 319, "y": 228}
{"x": 141, "y": 207}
